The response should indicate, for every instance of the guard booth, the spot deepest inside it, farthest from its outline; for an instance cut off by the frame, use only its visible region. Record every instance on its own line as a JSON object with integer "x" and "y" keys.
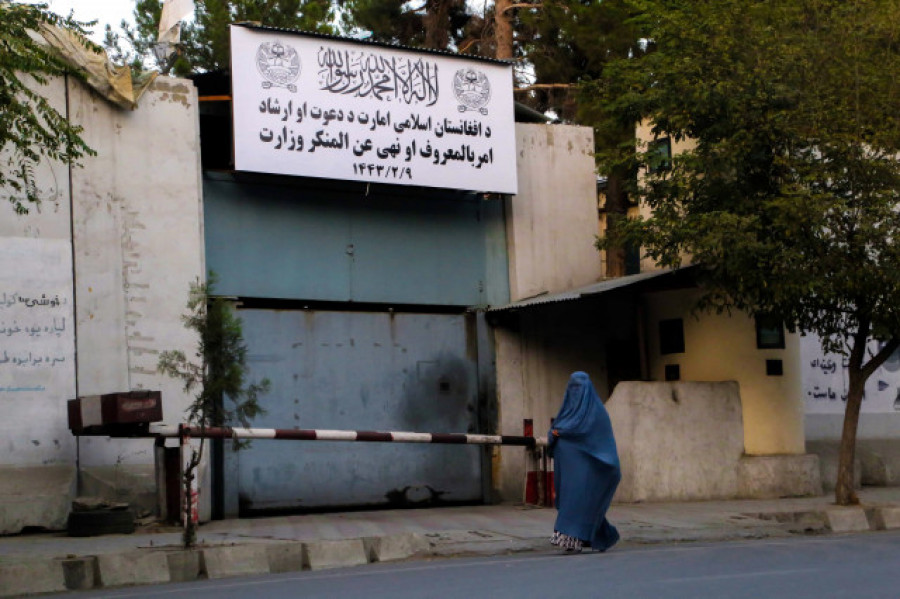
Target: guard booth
{"x": 359, "y": 288}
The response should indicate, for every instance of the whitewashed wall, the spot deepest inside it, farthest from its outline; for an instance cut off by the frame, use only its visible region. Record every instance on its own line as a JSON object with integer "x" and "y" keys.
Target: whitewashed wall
{"x": 93, "y": 284}
{"x": 825, "y": 382}
{"x": 37, "y": 367}
{"x": 552, "y": 222}
{"x": 138, "y": 226}
{"x": 551, "y": 229}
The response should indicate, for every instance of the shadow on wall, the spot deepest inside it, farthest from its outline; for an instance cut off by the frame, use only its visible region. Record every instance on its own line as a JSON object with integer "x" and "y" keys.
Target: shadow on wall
{"x": 438, "y": 396}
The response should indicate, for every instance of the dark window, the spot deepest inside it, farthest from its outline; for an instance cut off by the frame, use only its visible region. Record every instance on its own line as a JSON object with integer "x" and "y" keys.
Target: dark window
{"x": 632, "y": 259}
{"x": 769, "y": 332}
{"x": 671, "y": 336}
{"x": 774, "y": 368}
{"x": 659, "y": 155}
{"x": 673, "y": 372}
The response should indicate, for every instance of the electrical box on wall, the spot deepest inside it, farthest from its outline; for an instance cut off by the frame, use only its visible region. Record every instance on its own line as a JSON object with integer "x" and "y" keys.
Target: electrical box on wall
{"x": 113, "y": 414}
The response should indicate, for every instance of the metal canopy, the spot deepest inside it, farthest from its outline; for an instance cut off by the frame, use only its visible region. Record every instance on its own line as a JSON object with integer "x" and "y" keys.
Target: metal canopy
{"x": 659, "y": 276}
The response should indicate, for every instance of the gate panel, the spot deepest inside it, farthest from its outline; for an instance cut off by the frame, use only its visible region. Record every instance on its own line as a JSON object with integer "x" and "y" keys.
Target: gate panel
{"x": 360, "y": 371}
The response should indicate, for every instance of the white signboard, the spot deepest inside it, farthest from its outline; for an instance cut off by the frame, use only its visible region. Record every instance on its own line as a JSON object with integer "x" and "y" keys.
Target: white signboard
{"x": 321, "y": 107}
{"x": 37, "y": 336}
{"x": 825, "y": 380}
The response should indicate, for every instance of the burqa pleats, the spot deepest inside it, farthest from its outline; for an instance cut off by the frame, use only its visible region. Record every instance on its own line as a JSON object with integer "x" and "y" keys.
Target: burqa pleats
{"x": 586, "y": 465}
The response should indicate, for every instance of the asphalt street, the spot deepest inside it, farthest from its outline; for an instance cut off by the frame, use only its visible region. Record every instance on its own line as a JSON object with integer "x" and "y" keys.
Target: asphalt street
{"x": 857, "y": 566}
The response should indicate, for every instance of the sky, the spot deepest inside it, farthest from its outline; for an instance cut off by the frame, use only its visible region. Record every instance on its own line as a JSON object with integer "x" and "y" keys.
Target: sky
{"x": 105, "y": 11}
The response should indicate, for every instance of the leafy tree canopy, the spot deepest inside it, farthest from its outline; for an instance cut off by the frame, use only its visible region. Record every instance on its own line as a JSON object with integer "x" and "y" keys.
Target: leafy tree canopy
{"x": 30, "y": 127}
{"x": 788, "y": 197}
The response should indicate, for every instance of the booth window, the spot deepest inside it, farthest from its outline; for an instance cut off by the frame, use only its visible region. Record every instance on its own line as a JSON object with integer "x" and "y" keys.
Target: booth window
{"x": 659, "y": 155}
{"x": 769, "y": 332}
{"x": 671, "y": 336}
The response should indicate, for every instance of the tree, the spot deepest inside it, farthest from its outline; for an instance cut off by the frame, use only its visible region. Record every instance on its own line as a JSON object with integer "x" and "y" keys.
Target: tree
{"x": 205, "y": 44}
{"x": 218, "y": 374}
{"x": 432, "y": 24}
{"x": 789, "y": 198}
{"x": 30, "y": 127}
{"x": 569, "y": 43}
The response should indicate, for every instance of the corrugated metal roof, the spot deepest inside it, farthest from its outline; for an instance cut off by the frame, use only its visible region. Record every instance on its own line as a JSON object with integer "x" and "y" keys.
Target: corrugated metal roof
{"x": 588, "y": 290}
{"x": 371, "y": 43}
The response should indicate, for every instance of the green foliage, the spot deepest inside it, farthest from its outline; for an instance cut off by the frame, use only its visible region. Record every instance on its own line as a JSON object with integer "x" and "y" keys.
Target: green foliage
{"x": 571, "y": 41}
{"x": 220, "y": 368}
{"x": 217, "y": 374}
{"x": 789, "y": 196}
{"x": 435, "y": 24}
{"x": 30, "y": 127}
{"x": 205, "y": 42}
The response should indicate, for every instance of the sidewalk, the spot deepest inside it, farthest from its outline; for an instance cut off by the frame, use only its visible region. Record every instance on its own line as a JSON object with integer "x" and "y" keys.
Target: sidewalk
{"x": 53, "y": 562}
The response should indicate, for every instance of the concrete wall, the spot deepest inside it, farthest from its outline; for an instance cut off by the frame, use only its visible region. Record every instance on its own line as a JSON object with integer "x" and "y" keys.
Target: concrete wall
{"x": 677, "y": 441}
{"x": 37, "y": 261}
{"x": 135, "y": 214}
{"x": 722, "y": 347}
{"x": 550, "y": 231}
{"x": 534, "y": 363}
{"x": 138, "y": 227}
{"x": 552, "y": 222}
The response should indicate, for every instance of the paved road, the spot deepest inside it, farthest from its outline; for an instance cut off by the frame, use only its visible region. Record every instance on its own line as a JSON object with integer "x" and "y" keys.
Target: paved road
{"x": 857, "y": 566}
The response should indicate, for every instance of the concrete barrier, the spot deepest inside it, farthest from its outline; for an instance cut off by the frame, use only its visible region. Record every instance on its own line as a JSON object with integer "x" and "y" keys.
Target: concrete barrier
{"x": 677, "y": 441}
{"x": 32, "y": 577}
{"x": 235, "y": 560}
{"x": 286, "y": 557}
{"x": 133, "y": 568}
{"x": 321, "y": 555}
{"x": 185, "y": 565}
{"x": 770, "y": 477}
{"x": 847, "y": 519}
{"x": 81, "y": 573}
{"x": 395, "y": 547}
{"x": 37, "y": 496}
{"x": 887, "y": 518}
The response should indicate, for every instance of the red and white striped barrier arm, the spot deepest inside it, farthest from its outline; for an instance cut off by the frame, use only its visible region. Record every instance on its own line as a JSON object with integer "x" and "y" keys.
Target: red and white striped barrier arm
{"x": 340, "y": 435}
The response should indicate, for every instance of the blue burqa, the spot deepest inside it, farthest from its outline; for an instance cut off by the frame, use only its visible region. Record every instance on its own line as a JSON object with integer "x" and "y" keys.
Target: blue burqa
{"x": 586, "y": 465}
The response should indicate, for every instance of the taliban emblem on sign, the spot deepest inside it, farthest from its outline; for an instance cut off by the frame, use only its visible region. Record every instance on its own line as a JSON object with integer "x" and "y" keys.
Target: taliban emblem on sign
{"x": 279, "y": 64}
{"x": 472, "y": 89}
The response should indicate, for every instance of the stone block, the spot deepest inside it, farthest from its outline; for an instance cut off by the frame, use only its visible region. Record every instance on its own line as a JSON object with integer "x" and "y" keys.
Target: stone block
{"x": 769, "y": 477}
{"x": 887, "y": 518}
{"x": 134, "y": 484}
{"x": 828, "y": 451}
{"x": 32, "y": 577}
{"x": 847, "y": 519}
{"x": 321, "y": 555}
{"x": 133, "y": 568}
{"x": 395, "y": 547}
{"x": 286, "y": 557}
{"x": 81, "y": 573}
{"x": 677, "y": 441}
{"x": 35, "y": 496}
{"x": 185, "y": 565}
{"x": 235, "y": 560}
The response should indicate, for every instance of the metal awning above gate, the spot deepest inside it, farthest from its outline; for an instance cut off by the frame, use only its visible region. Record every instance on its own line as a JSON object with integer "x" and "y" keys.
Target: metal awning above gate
{"x": 656, "y": 280}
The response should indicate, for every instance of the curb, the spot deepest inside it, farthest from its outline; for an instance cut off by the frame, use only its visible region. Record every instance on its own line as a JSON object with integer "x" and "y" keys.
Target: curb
{"x": 158, "y": 565}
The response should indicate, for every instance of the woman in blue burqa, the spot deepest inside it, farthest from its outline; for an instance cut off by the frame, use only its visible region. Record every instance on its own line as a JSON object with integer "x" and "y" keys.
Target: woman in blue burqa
{"x": 586, "y": 469}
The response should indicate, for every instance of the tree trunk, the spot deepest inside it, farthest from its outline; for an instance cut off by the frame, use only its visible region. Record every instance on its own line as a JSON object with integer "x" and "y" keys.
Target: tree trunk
{"x": 437, "y": 24}
{"x": 616, "y": 212}
{"x": 844, "y": 493}
{"x": 859, "y": 372}
{"x": 503, "y": 30}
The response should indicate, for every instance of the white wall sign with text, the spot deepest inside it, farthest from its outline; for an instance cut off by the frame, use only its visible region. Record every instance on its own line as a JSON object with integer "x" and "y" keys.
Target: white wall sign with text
{"x": 825, "y": 380}
{"x": 316, "y": 106}
{"x": 37, "y": 333}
